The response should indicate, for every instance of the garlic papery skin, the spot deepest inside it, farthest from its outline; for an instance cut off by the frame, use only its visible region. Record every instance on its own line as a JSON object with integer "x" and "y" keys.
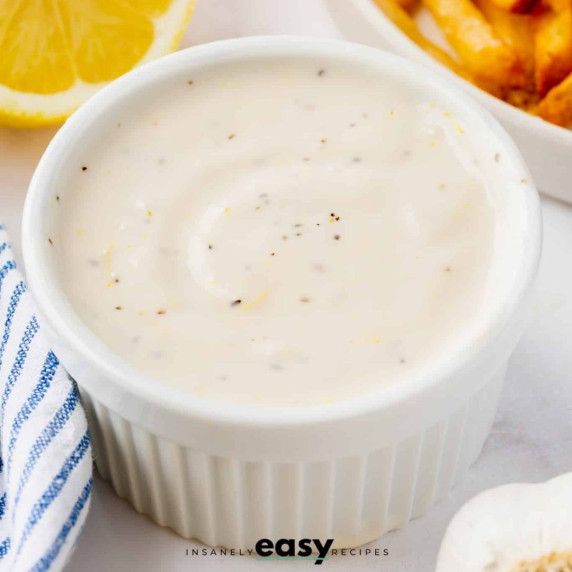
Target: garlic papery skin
{"x": 513, "y": 528}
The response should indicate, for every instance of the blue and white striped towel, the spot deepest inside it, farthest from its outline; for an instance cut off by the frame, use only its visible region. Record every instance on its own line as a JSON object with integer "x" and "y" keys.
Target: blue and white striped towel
{"x": 45, "y": 462}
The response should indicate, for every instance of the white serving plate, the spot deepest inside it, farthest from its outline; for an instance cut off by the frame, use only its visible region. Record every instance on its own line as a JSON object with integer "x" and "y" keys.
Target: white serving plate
{"x": 546, "y": 148}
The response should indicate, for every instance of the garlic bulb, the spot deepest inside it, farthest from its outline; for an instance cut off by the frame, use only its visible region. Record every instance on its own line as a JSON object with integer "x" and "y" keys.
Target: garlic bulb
{"x": 512, "y": 528}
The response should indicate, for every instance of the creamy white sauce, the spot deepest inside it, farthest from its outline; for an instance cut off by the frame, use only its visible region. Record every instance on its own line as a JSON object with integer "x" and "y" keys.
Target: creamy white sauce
{"x": 279, "y": 233}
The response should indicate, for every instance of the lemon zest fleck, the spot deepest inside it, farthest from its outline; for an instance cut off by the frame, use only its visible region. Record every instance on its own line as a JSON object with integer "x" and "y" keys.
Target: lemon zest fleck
{"x": 256, "y": 301}
{"x": 107, "y": 257}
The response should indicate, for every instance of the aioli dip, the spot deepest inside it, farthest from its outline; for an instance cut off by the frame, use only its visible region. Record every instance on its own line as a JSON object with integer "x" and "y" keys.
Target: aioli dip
{"x": 280, "y": 232}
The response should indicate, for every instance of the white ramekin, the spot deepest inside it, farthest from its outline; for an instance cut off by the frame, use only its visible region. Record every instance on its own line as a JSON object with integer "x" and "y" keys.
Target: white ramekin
{"x": 232, "y": 474}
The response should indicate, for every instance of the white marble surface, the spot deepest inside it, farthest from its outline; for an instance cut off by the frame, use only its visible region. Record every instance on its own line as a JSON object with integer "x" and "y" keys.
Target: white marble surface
{"x": 532, "y": 435}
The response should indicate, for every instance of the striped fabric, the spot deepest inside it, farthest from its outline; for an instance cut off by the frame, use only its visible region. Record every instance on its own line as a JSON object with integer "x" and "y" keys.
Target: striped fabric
{"x": 45, "y": 452}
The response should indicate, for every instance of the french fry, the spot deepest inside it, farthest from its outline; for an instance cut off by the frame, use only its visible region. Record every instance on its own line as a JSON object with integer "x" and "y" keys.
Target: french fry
{"x": 473, "y": 39}
{"x": 552, "y": 46}
{"x": 515, "y": 6}
{"x": 407, "y": 5}
{"x": 523, "y": 99}
{"x": 556, "y": 107}
{"x": 556, "y": 5}
{"x": 515, "y": 31}
{"x": 406, "y": 24}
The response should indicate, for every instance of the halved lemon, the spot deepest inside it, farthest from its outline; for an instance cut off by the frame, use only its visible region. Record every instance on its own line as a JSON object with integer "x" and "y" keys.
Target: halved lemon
{"x": 54, "y": 54}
